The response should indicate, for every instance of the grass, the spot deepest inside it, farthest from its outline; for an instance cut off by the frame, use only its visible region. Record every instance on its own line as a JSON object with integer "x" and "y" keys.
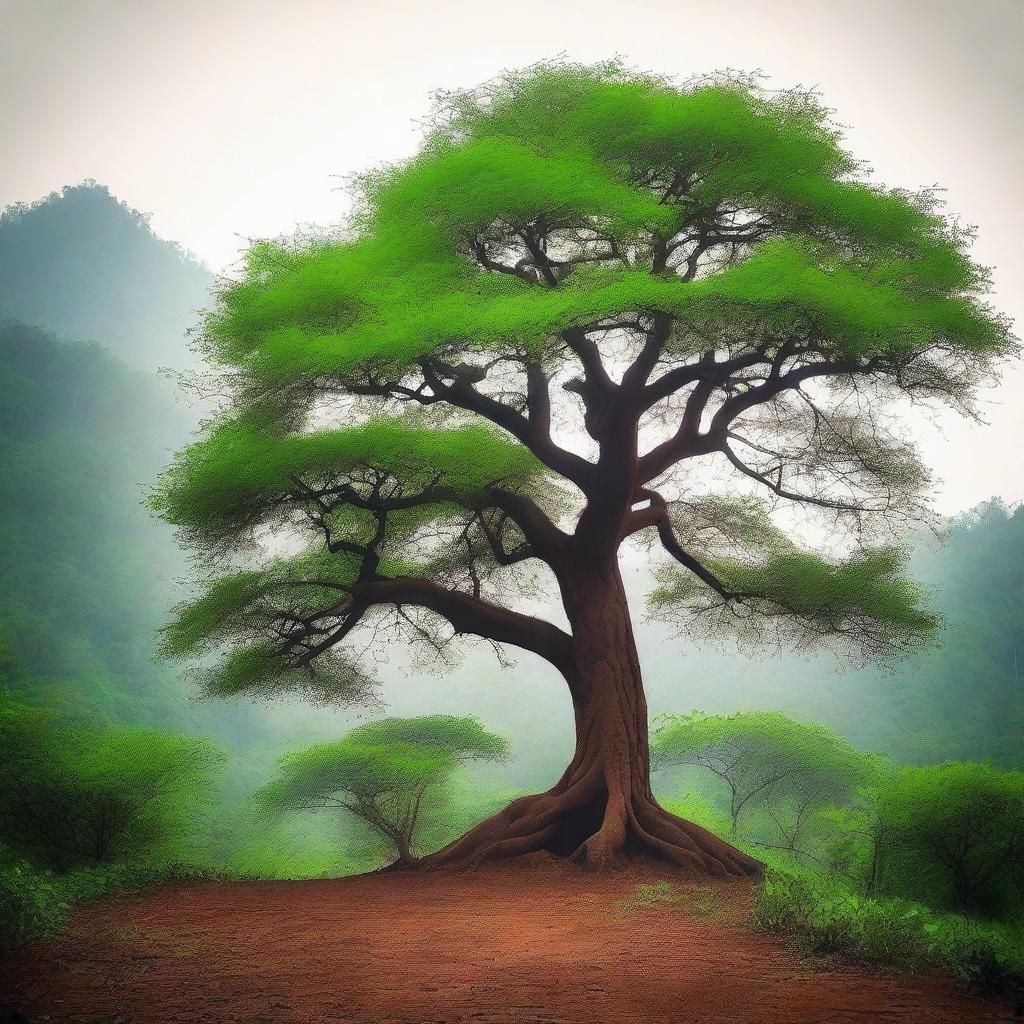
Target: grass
{"x": 699, "y": 901}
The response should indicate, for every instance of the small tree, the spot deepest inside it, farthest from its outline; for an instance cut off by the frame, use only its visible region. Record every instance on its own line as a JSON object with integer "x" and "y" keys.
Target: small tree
{"x": 589, "y": 293}
{"x": 75, "y": 796}
{"x": 954, "y": 829}
{"x": 381, "y": 772}
{"x": 787, "y": 768}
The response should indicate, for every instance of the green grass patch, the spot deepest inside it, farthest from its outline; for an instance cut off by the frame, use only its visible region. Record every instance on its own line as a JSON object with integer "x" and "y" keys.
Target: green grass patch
{"x": 35, "y": 904}
{"x": 698, "y": 901}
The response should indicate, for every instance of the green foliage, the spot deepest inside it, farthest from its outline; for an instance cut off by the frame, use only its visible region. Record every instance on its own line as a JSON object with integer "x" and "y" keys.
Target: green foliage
{"x": 464, "y": 738}
{"x": 586, "y": 147}
{"x": 94, "y": 883}
{"x": 382, "y": 772}
{"x": 33, "y": 905}
{"x": 765, "y": 760}
{"x": 310, "y": 778}
{"x": 866, "y": 594}
{"x": 84, "y": 796}
{"x": 824, "y": 918}
{"x": 959, "y": 832}
{"x": 229, "y": 483}
{"x": 703, "y": 811}
{"x": 959, "y": 698}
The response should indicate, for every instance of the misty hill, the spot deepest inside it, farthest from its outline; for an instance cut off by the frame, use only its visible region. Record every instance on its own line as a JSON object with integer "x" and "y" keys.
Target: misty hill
{"x": 83, "y": 265}
{"x": 86, "y": 571}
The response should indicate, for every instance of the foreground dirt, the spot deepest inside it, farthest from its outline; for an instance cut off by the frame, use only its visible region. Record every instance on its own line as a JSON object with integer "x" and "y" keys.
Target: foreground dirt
{"x": 537, "y": 944}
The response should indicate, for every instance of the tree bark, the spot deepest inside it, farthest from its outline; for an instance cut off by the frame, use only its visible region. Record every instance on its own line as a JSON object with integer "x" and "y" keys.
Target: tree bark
{"x": 405, "y": 855}
{"x": 601, "y": 813}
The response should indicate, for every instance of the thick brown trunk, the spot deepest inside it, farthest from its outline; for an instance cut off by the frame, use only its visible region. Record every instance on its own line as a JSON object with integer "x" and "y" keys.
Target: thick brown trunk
{"x": 601, "y": 813}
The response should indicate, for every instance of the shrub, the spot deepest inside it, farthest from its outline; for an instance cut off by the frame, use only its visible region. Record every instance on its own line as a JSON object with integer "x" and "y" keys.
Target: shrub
{"x": 953, "y": 835}
{"x": 75, "y": 797}
{"x": 33, "y": 904}
{"x": 823, "y": 918}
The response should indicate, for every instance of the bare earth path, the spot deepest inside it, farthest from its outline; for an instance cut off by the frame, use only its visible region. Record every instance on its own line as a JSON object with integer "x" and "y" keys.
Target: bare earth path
{"x": 525, "y": 945}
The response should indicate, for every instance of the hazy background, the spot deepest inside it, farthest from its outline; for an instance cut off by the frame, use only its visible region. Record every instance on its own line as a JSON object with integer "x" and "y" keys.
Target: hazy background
{"x": 227, "y": 121}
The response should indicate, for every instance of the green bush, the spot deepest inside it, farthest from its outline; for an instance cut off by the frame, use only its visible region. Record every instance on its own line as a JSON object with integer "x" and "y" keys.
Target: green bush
{"x": 952, "y": 836}
{"x": 106, "y": 879}
{"x": 78, "y": 797}
{"x": 824, "y": 918}
{"x": 33, "y": 904}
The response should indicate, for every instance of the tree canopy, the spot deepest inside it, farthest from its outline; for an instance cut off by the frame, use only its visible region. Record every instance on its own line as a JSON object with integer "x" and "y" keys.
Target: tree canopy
{"x": 557, "y": 223}
{"x": 380, "y": 772}
{"x": 763, "y": 757}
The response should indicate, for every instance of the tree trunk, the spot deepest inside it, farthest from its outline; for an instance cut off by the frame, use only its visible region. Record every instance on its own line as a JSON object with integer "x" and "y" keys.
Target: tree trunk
{"x": 405, "y": 855}
{"x": 601, "y": 813}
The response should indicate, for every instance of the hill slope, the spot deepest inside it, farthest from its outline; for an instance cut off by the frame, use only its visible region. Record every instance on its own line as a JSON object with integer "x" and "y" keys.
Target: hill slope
{"x": 86, "y": 266}
{"x": 87, "y": 571}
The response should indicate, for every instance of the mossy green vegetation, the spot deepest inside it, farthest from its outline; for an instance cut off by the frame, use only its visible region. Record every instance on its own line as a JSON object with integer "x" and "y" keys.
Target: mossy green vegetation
{"x": 823, "y": 916}
{"x": 78, "y": 797}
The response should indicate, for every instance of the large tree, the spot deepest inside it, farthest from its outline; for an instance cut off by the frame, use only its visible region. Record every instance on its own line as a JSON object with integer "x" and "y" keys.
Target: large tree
{"x": 590, "y": 297}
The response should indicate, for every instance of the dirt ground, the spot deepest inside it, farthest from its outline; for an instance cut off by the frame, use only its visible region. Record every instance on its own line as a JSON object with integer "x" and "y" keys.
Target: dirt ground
{"x": 534, "y": 943}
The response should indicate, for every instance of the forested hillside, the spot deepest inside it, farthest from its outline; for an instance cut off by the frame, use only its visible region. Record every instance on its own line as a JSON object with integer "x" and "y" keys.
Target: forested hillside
{"x": 87, "y": 573}
{"x": 963, "y": 699}
{"x": 91, "y": 302}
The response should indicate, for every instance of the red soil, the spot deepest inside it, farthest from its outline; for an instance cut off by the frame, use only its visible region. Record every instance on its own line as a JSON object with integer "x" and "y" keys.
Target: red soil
{"x": 519, "y": 943}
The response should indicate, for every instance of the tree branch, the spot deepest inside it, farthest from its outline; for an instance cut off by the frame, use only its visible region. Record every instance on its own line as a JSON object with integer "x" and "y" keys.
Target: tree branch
{"x": 469, "y": 614}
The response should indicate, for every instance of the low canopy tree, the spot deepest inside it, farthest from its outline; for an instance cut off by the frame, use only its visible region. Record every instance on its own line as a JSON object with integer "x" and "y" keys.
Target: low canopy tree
{"x": 381, "y": 772}
{"x": 765, "y": 759}
{"x": 954, "y": 829}
{"x": 590, "y": 292}
{"x": 75, "y": 796}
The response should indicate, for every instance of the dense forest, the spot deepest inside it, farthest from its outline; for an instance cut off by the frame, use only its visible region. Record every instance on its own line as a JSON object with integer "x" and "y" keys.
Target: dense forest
{"x": 80, "y": 435}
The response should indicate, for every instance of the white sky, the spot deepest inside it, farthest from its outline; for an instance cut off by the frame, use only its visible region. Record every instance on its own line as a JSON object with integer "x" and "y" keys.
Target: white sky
{"x": 228, "y": 120}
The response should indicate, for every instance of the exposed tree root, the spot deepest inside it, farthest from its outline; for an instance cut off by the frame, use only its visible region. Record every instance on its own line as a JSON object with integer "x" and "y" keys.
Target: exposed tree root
{"x": 583, "y": 823}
